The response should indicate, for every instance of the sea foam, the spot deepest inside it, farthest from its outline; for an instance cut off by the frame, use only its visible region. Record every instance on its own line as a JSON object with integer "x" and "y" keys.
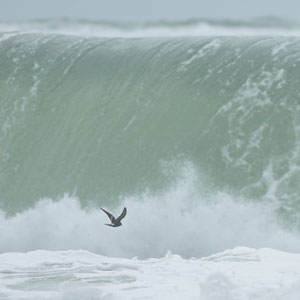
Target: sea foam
{"x": 236, "y": 274}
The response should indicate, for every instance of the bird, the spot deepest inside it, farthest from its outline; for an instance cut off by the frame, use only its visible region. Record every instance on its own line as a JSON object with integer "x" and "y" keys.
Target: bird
{"x": 115, "y": 222}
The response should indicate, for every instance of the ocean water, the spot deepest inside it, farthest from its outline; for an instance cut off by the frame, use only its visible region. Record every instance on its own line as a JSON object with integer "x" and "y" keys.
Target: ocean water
{"x": 193, "y": 126}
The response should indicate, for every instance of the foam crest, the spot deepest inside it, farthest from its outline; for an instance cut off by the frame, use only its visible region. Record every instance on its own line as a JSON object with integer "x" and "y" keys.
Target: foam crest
{"x": 184, "y": 219}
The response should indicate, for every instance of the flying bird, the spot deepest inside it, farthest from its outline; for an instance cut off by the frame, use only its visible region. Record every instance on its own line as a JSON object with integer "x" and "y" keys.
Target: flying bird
{"x": 115, "y": 222}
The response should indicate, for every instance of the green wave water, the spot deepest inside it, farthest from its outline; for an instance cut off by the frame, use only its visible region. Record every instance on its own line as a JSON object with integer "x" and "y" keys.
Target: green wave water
{"x": 103, "y": 117}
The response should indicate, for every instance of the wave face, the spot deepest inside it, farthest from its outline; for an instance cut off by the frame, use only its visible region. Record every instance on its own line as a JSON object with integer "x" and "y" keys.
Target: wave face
{"x": 195, "y": 27}
{"x": 166, "y": 126}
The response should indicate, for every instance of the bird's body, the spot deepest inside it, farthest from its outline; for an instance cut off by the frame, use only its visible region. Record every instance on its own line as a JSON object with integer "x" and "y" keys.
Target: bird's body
{"x": 115, "y": 222}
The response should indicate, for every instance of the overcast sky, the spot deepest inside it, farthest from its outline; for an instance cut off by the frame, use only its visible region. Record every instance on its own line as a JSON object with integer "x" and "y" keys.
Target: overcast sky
{"x": 143, "y": 10}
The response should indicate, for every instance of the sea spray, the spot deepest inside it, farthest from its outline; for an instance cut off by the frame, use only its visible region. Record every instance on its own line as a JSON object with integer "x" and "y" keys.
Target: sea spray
{"x": 181, "y": 219}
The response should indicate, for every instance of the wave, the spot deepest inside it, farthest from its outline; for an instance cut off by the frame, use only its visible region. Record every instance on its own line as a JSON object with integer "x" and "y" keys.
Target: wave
{"x": 107, "y": 117}
{"x": 197, "y": 137}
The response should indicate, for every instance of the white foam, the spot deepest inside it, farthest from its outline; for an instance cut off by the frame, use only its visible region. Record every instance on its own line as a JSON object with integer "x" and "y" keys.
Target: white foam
{"x": 236, "y": 274}
{"x": 209, "y": 48}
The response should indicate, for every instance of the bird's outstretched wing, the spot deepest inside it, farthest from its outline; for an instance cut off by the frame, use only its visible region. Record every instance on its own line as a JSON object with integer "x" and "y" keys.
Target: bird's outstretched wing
{"x": 122, "y": 215}
{"x": 111, "y": 217}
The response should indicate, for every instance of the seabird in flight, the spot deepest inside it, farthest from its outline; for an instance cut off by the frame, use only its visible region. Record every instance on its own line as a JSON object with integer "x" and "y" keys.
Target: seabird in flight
{"x": 115, "y": 222}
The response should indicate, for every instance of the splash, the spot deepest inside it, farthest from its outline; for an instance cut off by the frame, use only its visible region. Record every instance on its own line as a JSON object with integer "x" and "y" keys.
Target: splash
{"x": 184, "y": 219}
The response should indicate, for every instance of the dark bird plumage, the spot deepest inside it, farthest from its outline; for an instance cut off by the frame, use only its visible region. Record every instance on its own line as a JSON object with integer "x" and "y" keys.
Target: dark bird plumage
{"x": 115, "y": 222}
